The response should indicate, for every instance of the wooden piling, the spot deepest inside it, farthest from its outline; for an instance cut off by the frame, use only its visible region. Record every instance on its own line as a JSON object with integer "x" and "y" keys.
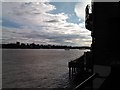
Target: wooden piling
{"x": 80, "y": 65}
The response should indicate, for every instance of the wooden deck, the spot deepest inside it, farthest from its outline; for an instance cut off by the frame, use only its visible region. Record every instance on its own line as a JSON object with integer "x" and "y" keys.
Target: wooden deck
{"x": 81, "y": 65}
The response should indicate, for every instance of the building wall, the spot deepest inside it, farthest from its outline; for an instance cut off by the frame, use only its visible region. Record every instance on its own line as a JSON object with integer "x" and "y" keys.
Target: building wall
{"x": 106, "y": 28}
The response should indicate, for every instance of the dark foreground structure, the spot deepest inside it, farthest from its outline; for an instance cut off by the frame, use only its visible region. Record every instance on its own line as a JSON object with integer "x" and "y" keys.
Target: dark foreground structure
{"x": 103, "y": 60}
{"x": 99, "y": 69}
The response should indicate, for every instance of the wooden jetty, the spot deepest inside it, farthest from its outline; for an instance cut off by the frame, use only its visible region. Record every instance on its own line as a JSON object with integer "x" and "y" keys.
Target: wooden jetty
{"x": 81, "y": 65}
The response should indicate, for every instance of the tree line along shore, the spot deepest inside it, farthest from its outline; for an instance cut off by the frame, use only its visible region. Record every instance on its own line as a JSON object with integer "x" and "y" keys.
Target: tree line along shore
{"x": 19, "y": 45}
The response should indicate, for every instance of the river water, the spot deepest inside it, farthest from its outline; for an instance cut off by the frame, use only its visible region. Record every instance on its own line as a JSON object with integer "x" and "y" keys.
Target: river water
{"x": 37, "y": 68}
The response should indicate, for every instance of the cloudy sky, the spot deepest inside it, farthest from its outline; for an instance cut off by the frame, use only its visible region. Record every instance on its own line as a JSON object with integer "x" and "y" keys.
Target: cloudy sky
{"x": 59, "y": 23}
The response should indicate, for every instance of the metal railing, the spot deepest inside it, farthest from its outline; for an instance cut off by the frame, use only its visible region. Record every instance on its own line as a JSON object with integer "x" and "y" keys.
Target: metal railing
{"x": 85, "y": 81}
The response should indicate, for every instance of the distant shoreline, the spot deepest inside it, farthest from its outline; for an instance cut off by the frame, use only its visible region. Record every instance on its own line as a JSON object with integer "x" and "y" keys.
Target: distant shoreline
{"x": 42, "y": 48}
{"x": 19, "y": 45}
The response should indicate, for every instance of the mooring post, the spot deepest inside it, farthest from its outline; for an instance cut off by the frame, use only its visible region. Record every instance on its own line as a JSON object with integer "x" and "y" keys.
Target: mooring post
{"x": 69, "y": 71}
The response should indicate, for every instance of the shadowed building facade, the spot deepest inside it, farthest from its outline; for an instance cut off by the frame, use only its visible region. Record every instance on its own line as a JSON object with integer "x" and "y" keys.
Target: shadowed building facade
{"x": 104, "y": 24}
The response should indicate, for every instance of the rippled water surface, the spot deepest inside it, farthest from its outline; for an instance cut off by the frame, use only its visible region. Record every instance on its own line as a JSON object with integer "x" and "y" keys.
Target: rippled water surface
{"x": 37, "y": 68}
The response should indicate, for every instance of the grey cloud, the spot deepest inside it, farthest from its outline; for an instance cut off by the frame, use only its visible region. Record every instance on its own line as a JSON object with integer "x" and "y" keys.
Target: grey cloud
{"x": 45, "y": 38}
{"x": 52, "y": 21}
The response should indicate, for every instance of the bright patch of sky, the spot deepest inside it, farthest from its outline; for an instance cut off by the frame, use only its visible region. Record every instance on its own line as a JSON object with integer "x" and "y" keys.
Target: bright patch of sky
{"x": 59, "y": 23}
{"x": 67, "y": 8}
